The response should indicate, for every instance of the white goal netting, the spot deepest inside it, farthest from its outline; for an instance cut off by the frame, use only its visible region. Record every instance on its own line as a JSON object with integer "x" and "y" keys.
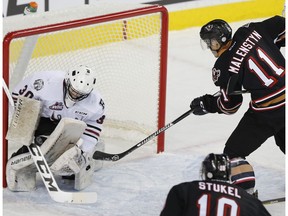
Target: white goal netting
{"x": 125, "y": 44}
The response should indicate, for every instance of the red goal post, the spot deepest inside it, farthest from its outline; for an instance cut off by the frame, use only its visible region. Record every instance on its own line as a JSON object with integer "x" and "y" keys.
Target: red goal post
{"x": 125, "y": 44}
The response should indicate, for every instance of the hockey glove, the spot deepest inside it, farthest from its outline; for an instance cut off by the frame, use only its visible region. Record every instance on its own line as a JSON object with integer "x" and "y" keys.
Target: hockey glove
{"x": 203, "y": 105}
{"x": 70, "y": 162}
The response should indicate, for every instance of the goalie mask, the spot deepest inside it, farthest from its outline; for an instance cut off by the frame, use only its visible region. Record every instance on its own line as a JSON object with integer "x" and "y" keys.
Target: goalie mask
{"x": 215, "y": 34}
{"x": 78, "y": 84}
{"x": 216, "y": 167}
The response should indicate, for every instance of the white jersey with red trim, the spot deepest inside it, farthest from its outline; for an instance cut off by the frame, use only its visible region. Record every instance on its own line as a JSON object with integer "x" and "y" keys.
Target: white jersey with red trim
{"x": 48, "y": 87}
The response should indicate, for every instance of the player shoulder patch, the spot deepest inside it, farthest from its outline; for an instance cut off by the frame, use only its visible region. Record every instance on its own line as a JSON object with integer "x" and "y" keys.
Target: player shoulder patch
{"x": 38, "y": 84}
{"x": 215, "y": 74}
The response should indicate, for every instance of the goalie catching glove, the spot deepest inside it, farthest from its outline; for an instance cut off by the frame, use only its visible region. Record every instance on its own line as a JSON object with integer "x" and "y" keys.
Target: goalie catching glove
{"x": 204, "y": 104}
{"x": 70, "y": 162}
{"x": 76, "y": 162}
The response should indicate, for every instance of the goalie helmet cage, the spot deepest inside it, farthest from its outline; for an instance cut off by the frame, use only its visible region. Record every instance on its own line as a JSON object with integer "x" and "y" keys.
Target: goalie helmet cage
{"x": 126, "y": 44}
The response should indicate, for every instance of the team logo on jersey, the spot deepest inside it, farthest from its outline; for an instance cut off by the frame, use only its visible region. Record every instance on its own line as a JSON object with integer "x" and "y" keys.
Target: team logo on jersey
{"x": 215, "y": 74}
{"x": 57, "y": 106}
{"x": 38, "y": 84}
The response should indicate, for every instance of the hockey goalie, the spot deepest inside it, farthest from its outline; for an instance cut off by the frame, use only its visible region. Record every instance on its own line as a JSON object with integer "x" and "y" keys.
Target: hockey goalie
{"x": 63, "y": 113}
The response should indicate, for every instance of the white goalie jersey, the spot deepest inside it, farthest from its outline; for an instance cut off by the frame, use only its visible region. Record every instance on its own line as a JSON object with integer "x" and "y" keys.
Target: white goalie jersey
{"x": 48, "y": 87}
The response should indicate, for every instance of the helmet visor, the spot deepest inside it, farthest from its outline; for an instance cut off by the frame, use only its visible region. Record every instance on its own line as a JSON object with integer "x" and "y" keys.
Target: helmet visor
{"x": 211, "y": 44}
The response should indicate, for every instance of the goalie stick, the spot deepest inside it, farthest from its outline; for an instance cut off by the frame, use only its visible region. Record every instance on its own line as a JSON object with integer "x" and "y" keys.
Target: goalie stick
{"x": 51, "y": 185}
{"x": 272, "y": 201}
{"x": 98, "y": 155}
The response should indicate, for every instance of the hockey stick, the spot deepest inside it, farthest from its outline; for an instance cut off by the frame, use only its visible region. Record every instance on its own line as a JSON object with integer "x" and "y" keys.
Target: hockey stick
{"x": 272, "y": 201}
{"x": 239, "y": 92}
{"x": 98, "y": 155}
{"x": 51, "y": 185}
{"x": 6, "y": 90}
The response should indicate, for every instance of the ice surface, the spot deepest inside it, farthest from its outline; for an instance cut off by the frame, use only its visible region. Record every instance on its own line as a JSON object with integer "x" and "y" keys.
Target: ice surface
{"x": 138, "y": 184}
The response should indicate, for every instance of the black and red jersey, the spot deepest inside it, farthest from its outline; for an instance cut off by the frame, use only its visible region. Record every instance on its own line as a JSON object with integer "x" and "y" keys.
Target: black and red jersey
{"x": 255, "y": 63}
{"x": 211, "y": 198}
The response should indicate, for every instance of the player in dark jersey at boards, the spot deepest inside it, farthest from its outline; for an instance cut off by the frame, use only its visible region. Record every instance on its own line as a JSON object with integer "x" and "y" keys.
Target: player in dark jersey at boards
{"x": 252, "y": 61}
{"x": 212, "y": 196}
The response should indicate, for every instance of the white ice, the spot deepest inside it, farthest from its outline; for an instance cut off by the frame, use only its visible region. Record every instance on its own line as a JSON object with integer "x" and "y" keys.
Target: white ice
{"x": 138, "y": 184}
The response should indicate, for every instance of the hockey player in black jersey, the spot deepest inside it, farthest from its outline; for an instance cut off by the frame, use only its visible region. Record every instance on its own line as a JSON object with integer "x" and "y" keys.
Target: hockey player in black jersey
{"x": 250, "y": 61}
{"x": 212, "y": 196}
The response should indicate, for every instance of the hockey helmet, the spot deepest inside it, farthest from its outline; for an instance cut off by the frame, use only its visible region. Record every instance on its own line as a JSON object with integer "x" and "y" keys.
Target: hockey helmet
{"x": 242, "y": 174}
{"x": 216, "y": 167}
{"x": 215, "y": 34}
{"x": 79, "y": 83}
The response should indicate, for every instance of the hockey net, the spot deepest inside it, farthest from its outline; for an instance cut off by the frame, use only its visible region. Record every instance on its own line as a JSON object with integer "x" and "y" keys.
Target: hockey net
{"x": 126, "y": 44}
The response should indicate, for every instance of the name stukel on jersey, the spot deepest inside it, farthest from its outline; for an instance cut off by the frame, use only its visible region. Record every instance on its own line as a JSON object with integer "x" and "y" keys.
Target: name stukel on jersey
{"x": 225, "y": 189}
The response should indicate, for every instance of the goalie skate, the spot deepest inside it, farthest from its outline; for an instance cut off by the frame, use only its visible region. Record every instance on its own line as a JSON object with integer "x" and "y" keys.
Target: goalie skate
{"x": 21, "y": 170}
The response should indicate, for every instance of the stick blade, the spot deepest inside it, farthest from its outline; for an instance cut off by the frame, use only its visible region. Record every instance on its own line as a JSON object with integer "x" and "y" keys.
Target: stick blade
{"x": 272, "y": 201}
{"x": 98, "y": 155}
{"x": 75, "y": 197}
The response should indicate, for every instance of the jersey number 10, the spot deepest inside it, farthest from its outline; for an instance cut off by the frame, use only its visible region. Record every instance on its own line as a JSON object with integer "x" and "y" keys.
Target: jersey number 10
{"x": 223, "y": 205}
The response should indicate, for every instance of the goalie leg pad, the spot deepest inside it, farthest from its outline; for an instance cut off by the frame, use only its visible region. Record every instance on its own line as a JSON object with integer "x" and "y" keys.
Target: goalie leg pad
{"x": 67, "y": 133}
{"x": 21, "y": 171}
{"x": 85, "y": 177}
{"x": 22, "y": 179}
